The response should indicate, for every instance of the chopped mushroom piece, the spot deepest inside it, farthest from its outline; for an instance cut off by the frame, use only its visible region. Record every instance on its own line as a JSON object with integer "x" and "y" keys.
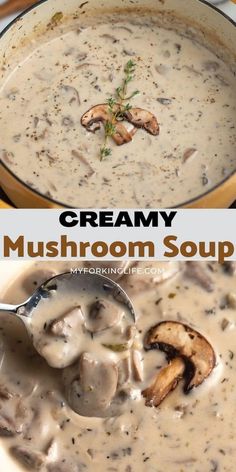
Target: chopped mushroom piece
{"x": 73, "y": 93}
{"x": 94, "y": 116}
{"x": 93, "y": 387}
{"x": 137, "y": 365}
{"x": 30, "y": 458}
{"x": 195, "y": 271}
{"x": 68, "y": 323}
{"x": 52, "y": 450}
{"x": 83, "y": 160}
{"x": 124, "y": 371}
{"x": 230, "y": 267}
{"x": 5, "y": 393}
{"x": 8, "y": 427}
{"x": 103, "y": 315}
{"x": 143, "y": 119}
{"x": 178, "y": 339}
{"x": 165, "y": 381}
{"x": 231, "y": 299}
{"x": 62, "y": 467}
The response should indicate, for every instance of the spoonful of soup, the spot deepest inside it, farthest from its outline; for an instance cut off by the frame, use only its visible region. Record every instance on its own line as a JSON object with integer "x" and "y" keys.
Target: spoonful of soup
{"x": 76, "y": 312}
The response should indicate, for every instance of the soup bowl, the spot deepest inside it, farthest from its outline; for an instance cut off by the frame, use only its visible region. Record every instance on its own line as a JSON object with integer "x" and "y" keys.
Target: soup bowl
{"x": 206, "y": 18}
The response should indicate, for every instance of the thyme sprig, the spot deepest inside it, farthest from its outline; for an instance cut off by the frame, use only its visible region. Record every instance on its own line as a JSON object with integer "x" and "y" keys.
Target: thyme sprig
{"x": 117, "y": 107}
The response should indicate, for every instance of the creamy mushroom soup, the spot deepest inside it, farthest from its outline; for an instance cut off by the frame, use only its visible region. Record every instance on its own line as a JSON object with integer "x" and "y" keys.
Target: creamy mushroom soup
{"x": 160, "y": 127}
{"x": 165, "y": 401}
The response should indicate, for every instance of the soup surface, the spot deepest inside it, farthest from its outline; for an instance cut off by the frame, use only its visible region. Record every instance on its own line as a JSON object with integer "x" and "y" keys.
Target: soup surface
{"x": 188, "y": 89}
{"x": 38, "y": 420}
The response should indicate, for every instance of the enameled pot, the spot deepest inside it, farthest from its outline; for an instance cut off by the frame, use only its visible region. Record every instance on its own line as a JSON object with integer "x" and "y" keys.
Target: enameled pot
{"x": 197, "y": 13}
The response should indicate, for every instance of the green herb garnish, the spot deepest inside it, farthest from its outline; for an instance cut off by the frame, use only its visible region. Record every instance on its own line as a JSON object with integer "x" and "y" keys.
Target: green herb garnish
{"x": 117, "y": 107}
{"x": 117, "y": 347}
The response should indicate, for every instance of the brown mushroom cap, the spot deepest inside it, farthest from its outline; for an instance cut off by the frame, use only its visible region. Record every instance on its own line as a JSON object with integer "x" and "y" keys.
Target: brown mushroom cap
{"x": 97, "y": 114}
{"x": 143, "y": 119}
{"x": 179, "y": 340}
{"x": 68, "y": 323}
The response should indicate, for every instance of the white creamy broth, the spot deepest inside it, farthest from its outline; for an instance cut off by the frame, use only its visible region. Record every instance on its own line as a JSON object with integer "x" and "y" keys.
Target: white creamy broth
{"x": 186, "y": 432}
{"x": 189, "y": 90}
{"x": 62, "y": 326}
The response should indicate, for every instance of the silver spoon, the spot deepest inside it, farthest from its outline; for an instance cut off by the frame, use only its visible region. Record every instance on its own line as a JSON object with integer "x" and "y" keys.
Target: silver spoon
{"x": 81, "y": 281}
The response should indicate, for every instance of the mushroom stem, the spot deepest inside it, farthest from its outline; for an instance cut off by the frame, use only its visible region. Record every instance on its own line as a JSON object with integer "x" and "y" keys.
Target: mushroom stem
{"x": 165, "y": 381}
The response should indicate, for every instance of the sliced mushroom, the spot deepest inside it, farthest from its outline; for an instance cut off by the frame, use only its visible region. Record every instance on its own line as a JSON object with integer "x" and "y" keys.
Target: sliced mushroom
{"x": 124, "y": 371}
{"x": 122, "y": 135}
{"x": 30, "y": 458}
{"x": 231, "y": 300}
{"x": 95, "y": 115}
{"x": 178, "y": 339}
{"x": 5, "y": 393}
{"x": 83, "y": 160}
{"x": 64, "y": 467}
{"x": 91, "y": 386}
{"x": 143, "y": 119}
{"x": 8, "y": 427}
{"x": 138, "y": 117}
{"x": 52, "y": 449}
{"x": 195, "y": 271}
{"x": 103, "y": 315}
{"x": 73, "y": 92}
{"x": 230, "y": 267}
{"x": 100, "y": 114}
{"x": 68, "y": 323}
{"x": 165, "y": 381}
{"x": 137, "y": 365}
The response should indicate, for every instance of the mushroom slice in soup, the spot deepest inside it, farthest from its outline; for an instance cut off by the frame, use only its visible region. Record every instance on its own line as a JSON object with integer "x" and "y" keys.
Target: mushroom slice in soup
{"x": 8, "y": 427}
{"x": 165, "y": 381}
{"x": 143, "y": 119}
{"x": 58, "y": 341}
{"x": 195, "y": 271}
{"x": 100, "y": 114}
{"x": 124, "y": 370}
{"x": 91, "y": 386}
{"x": 103, "y": 315}
{"x": 138, "y": 117}
{"x": 67, "y": 323}
{"x": 230, "y": 267}
{"x": 179, "y": 340}
{"x": 6, "y": 393}
{"x": 137, "y": 365}
{"x": 30, "y": 458}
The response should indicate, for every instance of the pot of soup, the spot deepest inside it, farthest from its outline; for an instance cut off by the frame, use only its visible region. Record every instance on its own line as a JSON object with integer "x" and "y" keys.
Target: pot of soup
{"x": 127, "y": 395}
{"x": 119, "y": 104}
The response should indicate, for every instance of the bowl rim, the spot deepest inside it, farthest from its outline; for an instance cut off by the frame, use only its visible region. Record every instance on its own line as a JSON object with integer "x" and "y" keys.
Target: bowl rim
{"x": 205, "y": 3}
